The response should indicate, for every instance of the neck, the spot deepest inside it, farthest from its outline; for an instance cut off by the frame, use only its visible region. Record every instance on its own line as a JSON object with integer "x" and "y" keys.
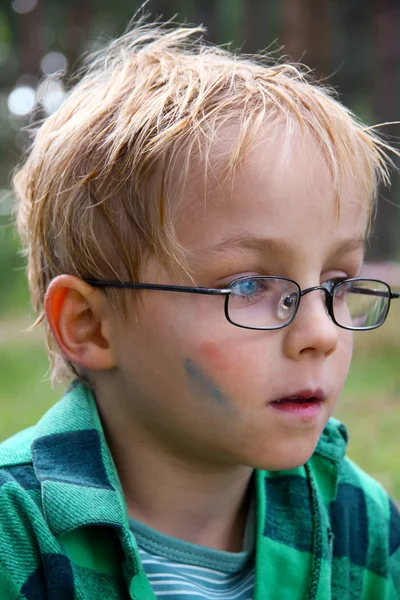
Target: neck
{"x": 192, "y": 502}
{"x": 195, "y": 509}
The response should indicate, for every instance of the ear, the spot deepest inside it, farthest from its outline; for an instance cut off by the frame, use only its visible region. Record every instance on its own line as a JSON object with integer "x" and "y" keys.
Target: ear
{"x": 77, "y": 315}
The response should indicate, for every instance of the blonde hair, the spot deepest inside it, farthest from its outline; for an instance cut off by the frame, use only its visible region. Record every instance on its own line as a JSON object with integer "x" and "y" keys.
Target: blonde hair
{"x": 94, "y": 194}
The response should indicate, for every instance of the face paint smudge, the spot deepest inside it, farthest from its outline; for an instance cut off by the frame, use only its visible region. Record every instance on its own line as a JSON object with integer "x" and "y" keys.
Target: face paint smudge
{"x": 205, "y": 385}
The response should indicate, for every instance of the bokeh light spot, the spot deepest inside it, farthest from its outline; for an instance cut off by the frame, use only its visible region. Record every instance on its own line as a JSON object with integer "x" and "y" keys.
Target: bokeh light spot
{"x": 54, "y": 62}
{"x": 21, "y": 100}
{"x": 22, "y": 7}
{"x": 51, "y": 94}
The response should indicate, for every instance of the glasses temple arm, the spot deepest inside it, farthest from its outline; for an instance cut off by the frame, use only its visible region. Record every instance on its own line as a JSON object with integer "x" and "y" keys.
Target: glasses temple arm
{"x": 153, "y": 286}
{"x": 366, "y": 292}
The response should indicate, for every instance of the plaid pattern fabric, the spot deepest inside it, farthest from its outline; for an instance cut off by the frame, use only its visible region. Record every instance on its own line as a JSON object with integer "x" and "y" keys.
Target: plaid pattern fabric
{"x": 325, "y": 531}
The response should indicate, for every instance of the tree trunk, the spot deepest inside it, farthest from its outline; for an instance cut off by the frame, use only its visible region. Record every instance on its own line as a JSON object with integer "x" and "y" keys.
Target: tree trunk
{"x": 318, "y": 37}
{"x": 386, "y": 22}
{"x": 205, "y": 14}
{"x": 294, "y": 28}
{"x": 256, "y": 25}
{"x": 31, "y": 41}
{"x": 77, "y": 29}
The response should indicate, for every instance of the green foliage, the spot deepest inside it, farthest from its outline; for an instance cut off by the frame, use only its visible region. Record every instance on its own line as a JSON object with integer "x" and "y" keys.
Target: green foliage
{"x": 370, "y": 402}
{"x": 13, "y": 289}
{"x": 373, "y": 420}
{"x": 230, "y": 16}
{"x": 24, "y": 393}
{"x": 5, "y": 29}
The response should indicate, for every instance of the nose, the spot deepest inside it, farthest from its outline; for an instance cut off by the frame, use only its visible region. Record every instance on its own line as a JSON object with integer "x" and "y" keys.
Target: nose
{"x": 312, "y": 330}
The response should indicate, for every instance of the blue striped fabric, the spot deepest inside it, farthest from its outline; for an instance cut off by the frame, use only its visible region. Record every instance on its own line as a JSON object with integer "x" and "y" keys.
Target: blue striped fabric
{"x": 178, "y": 569}
{"x": 172, "y": 579}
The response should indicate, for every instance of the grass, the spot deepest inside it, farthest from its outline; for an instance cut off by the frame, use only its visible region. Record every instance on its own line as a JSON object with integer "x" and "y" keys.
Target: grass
{"x": 24, "y": 392}
{"x": 369, "y": 404}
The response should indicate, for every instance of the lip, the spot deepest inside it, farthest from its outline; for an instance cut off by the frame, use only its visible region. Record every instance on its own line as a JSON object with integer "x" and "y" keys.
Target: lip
{"x": 308, "y": 410}
{"x": 315, "y": 393}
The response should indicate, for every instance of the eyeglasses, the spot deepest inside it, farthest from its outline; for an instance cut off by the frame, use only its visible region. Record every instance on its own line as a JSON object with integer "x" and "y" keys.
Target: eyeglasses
{"x": 260, "y": 302}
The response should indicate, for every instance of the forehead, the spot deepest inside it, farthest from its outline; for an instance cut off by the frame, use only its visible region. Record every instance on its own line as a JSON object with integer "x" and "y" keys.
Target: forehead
{"x": 282, "y": 188}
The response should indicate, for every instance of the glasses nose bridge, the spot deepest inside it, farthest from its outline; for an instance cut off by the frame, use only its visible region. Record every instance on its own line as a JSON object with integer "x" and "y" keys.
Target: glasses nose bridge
{"x": 328, "y": 296}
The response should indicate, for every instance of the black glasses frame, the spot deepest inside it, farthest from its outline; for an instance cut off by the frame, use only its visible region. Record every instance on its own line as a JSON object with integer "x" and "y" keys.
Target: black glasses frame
{"x": 329, "y": 295}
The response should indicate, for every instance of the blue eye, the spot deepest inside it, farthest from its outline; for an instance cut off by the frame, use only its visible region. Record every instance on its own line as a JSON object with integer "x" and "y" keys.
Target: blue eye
{"x": 246, "y": 287}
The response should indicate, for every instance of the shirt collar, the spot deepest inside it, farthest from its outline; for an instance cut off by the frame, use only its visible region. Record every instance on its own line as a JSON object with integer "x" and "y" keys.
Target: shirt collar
{"x": 73, "y": 464}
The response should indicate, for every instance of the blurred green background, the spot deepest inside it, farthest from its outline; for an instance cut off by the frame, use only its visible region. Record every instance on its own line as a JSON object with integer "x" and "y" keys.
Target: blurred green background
{"x": 354, "y": 45}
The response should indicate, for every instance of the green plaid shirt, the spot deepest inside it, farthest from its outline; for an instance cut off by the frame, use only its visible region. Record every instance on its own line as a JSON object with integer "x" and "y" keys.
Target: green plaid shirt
{"x": 324, "y": 531}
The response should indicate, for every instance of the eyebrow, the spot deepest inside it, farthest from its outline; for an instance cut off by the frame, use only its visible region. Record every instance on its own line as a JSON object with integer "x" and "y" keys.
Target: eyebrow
{"x": 278, "y": 246}
{"x": 347, "y": 246}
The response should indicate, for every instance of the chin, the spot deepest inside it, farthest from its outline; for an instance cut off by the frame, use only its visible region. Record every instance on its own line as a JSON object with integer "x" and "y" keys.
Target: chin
{"x": 283, "y": 457}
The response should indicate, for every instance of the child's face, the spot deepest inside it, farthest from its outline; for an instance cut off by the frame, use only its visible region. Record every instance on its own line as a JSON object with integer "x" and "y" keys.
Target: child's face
{"x": 195, "y": 385}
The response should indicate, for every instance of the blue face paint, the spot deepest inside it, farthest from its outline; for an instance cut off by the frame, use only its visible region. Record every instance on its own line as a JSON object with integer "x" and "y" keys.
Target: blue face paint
{"x": 206, "y": 386}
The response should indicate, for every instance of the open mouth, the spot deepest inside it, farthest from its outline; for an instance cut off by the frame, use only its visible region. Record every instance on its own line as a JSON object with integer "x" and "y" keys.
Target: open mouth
{"x": 302, "y": 406}
{"x": 297, "y": 400}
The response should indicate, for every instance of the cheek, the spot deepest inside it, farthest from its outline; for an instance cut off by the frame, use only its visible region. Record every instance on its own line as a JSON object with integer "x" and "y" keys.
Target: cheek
{"x": 347, "y": 344}
{"x": 223, "y": 359}
{"x": 343, "y": 355}
{"x": 242, "y": 358}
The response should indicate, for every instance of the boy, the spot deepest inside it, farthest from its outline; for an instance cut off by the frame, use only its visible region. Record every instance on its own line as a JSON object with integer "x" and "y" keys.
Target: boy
{"x": 195, "y": 223}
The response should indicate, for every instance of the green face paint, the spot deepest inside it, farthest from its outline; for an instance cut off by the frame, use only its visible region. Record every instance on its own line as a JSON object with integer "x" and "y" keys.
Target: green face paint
{"x": 206, "y": 386}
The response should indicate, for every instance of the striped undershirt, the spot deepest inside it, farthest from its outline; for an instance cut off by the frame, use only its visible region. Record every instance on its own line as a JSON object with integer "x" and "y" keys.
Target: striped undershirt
{"x": 179, "y": 569}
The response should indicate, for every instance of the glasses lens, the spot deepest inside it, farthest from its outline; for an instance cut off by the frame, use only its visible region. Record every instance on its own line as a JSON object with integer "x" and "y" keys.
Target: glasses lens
{"x": 262, "y": 302}
{"x": 361, "y": 304}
